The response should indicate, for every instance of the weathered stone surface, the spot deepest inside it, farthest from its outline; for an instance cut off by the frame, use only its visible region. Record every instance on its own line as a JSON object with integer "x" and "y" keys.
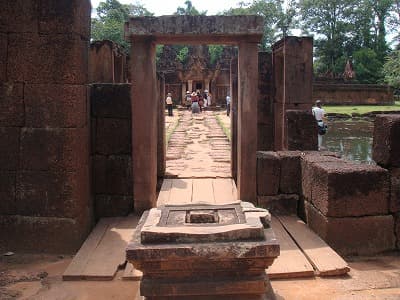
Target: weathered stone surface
{"x": 113, "y": 205}
{"x": 11, "y": 104}
{"x": 72, "y": 16}
{"x": 193, "y": 28}
{"x": 268, "y": 173}
{"x": 47, "y": 59}
{"x": 7, "y": 193}
{"x": 397, "y": 229}
{"x": 386, "y": 143}
{"x": 280, "y": 204}
{"x": 110, "y": 100}
{"x": 301, "y": 130}
{"x": 9, "y": 148}
{"x": 19, "y": 16}
{"x": 42, "y": 235}
{"x": 395, "y": 190}
{"x": 55, "y": 105}
{"x": 349, "y": 189}
{"x": 210, "y": 268}
{"x": 44, "y": 149}
{"x": 112, "y": 175}
{"x": 113, "y": 136}
{"x": 290, "y": 179}
{"x": 52, "y": 194}
{"x": 3, "y": 56}
{"x": 353, "y": 235}
{"x": 308, "y": 159}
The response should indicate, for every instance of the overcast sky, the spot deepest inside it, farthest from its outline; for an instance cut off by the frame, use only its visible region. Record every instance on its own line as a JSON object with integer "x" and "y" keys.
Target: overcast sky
{"x": 168, "y": 7}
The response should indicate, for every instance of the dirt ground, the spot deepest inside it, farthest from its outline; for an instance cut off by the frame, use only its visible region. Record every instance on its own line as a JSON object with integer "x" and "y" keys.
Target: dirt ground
{"x": 28, "y": 276}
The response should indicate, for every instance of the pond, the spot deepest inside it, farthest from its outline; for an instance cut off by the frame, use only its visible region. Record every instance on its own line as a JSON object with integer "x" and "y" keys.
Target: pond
{"x": 351, "y": 138}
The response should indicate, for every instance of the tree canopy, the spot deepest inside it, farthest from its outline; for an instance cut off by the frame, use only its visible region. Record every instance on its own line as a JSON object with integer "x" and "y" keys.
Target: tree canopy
{"x": 343, "y": 30}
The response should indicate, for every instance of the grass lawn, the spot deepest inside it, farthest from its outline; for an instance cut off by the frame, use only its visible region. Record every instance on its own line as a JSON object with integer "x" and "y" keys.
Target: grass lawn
{"x": 360, "y": 109}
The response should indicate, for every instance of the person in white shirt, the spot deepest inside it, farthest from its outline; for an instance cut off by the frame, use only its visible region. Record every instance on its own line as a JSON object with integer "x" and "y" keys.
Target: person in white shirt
{"x": 319, "y": 115}
{"x": 228, "y": 105}
{"x": 169, "y": 103}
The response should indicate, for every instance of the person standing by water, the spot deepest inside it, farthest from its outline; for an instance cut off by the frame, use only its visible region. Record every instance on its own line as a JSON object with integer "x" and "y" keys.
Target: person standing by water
{"x": 169, "y": 103}
{"x": 228, "y": 105}
{"x": 319, "y": 115}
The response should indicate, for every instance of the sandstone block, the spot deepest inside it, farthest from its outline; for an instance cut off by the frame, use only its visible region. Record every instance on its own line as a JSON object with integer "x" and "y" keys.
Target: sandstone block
{"x": 3, "y": 56}
{"x": 308, "y": 159}
{"x": 353, "y": 235}
{"x": 268, "y": 173}
{"x": 395, "y": 190}
{"x": 112, "y": 175}
{"x": 42, "y": 235}
{"x": 19, "y": 16}
{"x": 397, "y": 229}
{"x": 11, "y": 104}
{"x": 44, "y": 149}
{"x": 112, "y": 205}
{"x": 111, "y": 100}
{"x": 285, "y": 204}
{"x": 290, "y": 179}
{"x": 301, "y": 130}
{"x": 34, "y": 58}
{"x": 55, "y": 105}
{"x": 9, "y": 148}
{"x": 350, "y": 189}
{"x": 113, "y": 136}
{"x": 65, "y": 17}
{"x": 265, "y": 137}
{"x": 386, "y": 143}
{"x": 7, "y": 193}
{"x": 52, "y": 194}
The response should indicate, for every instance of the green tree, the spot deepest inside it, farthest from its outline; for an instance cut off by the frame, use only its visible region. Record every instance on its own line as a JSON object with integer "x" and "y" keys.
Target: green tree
{"x": 278, "y": 19}
{"x": 367, "y": 66}
{"x": 111, "y": 16}
{"x": 391, "y": 69}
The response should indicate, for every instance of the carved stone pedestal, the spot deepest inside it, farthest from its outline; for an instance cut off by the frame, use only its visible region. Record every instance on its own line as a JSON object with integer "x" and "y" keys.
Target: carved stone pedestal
{"x": 204, "y": 252}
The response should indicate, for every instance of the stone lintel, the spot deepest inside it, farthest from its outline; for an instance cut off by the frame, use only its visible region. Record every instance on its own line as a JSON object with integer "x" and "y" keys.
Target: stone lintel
{"x": 196, "y": 29}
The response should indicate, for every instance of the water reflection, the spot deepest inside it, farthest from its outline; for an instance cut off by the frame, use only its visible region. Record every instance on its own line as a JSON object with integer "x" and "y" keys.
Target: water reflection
{"x": 351, "y": 138}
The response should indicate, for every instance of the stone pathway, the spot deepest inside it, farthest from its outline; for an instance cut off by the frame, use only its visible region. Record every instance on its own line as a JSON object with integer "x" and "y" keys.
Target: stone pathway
{"x": 198, "y": 148}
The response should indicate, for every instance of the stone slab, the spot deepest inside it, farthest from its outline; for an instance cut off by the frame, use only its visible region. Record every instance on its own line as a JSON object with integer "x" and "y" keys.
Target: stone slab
{"x": 268, "y": 173}
{"x": 113, "y": 136}
{"x": 9, "y": 148}
{"x": 290, "y": 179}
{"x": 55, "y": 105}
{"x": 12, "y": 104}
{"x": 386, "y": 142}
{"x": 395, "y": 190}
{"x": 110, "y": 100}
{"x": 367, "y": 235}
{"x": 7, "y": 192}
{"x": 349, "y": 189}
{"x": 301, "y": 128}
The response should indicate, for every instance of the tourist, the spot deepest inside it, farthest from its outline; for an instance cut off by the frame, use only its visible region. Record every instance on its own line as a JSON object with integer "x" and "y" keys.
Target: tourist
{"x": 201, "y": 100}
{"x": 169, "y": 103}
{"x": 195, "y": 103}
{"x": 205, "y": 97}
{"x": 188, "y": 100}
{"x": 228, "y": 105}
{"x": 319, "y": 115}
{"x": 209, "y": 97}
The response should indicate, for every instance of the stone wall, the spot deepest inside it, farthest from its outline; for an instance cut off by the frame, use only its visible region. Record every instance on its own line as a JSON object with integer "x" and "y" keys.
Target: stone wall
{"x": 386, "y": 152}
{"x": 353, "y": 94}
{"x": 345, "y": 203}
{"x": 44, "y": 156}
{"x": 111, "y": 149}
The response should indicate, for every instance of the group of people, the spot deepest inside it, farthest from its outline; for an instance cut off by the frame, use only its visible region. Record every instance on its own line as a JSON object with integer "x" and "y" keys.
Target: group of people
{"x": 196, "y": 101}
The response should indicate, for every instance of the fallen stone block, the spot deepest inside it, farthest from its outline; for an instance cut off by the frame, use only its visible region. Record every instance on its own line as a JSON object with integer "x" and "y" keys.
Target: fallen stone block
{"x": 386, "y": 143}
{"x": 353, "y": 235}
{"x": 268, "y": 173}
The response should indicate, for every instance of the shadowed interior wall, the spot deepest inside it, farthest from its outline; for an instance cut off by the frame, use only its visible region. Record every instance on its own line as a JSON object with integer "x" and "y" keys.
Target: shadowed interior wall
{"x": 44, "y": 158}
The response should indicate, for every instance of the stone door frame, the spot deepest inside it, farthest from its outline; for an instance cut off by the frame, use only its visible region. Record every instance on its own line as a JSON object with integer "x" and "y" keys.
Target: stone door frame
{"x": 144, "y": 33}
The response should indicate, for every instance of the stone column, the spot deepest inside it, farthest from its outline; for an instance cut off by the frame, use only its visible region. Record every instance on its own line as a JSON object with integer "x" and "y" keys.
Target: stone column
{"x": 190, "y": 86}
{"x": 233, "y": 115}
{"x": 183, "y": 93}
{"x": 247, "y": 121}
{"x": 144, "y": 123}
{"x": 161, "y": 145}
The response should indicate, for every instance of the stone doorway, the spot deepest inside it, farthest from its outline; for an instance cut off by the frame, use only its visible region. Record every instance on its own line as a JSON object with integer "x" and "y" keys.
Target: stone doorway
{"x": 144, "y": 33}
